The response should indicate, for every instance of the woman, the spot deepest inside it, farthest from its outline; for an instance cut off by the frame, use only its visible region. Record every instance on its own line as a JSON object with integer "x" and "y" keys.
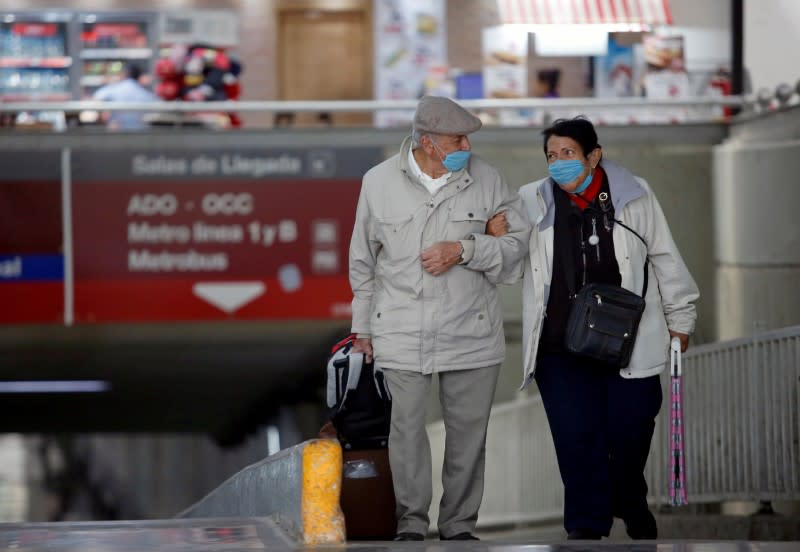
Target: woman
{"x": 602, "y": 418}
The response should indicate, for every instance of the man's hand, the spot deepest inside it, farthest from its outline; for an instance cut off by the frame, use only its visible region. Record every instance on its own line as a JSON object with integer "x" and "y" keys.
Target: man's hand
{"x": 441, "y": 257}
{"x": 497, "y": 226}
{"x": 684, "y": 339}
{"x": 363, "y": 345}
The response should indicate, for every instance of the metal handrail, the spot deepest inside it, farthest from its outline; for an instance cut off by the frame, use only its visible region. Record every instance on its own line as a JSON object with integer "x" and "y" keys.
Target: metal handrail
{"x": 742, "y": 435}
{"x": 370, "y": 105}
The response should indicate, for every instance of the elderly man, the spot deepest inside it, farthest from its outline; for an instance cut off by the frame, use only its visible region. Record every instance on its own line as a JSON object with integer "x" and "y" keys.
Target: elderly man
{"x": 424, "y": 275}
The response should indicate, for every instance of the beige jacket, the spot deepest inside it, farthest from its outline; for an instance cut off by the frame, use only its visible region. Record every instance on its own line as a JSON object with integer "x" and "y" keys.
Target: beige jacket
{"x": 418, "y": 321}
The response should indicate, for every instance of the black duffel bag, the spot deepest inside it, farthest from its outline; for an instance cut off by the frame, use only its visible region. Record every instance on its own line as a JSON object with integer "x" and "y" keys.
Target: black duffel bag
{"x": 358, "y": 398}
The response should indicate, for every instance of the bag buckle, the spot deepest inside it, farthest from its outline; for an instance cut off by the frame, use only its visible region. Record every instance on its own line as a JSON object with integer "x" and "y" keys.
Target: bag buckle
{"x": 599, "y": 299}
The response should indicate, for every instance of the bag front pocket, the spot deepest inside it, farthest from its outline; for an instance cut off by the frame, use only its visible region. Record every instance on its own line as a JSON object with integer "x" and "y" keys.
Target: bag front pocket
{"x": 603, "y": 323}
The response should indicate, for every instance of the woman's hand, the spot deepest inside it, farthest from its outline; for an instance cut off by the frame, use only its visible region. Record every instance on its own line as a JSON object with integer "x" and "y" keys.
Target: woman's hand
{"x": 497, "y": 226}
{"x": 683, "y": 337}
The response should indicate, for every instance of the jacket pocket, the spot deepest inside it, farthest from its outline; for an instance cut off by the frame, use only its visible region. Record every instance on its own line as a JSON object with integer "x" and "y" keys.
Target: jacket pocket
{"x": 394, "y": 316}
{"x": 467, "y": 221}
{"x": 468, "y": 314}
{"x": 397, "y": 237}
{"x": 472, "y": 323}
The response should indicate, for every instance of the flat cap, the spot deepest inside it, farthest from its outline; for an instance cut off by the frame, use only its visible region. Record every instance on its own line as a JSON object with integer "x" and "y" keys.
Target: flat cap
{"x": 439, "y": 115}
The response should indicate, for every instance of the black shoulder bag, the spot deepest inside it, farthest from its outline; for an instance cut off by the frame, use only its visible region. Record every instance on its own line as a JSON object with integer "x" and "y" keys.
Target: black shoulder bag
{"x": 604, "y": 318}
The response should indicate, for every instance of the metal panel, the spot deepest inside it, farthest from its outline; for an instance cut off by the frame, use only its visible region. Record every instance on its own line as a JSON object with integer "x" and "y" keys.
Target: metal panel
{"x": 742, "y": 419}
{"x": 522, "y": 482}
{"x": 755, "y": 297}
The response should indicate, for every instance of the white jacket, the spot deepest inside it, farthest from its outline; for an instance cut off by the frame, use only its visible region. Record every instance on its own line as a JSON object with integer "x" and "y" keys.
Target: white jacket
{"x": 671, "y": 290}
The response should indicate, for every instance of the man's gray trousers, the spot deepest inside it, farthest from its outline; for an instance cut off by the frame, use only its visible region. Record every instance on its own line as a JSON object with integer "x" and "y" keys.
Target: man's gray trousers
{"x": 466, "y": 399}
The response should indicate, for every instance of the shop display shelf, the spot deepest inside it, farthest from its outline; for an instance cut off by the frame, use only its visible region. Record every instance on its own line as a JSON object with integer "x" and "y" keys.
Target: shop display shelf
{"x": 35, "y": 97}
{"x": 58, "y": 62}
{"x": 116, "y": 53}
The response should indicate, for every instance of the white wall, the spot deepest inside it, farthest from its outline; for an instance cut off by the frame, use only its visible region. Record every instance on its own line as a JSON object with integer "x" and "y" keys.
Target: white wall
{"x": 771, "y": 42}
{"x": 705, "y": 49}
{"x": 710, "y": 14}
{"x": 706, "y": 28}
{"x": 771, "y": 37}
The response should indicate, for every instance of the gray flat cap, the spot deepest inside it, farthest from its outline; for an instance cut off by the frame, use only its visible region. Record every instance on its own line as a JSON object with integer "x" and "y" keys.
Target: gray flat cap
{"x": 438, "y": 115}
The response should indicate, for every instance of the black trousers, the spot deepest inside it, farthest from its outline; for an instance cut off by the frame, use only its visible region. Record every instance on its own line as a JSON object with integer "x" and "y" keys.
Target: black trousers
{"x": 602, "y": 426}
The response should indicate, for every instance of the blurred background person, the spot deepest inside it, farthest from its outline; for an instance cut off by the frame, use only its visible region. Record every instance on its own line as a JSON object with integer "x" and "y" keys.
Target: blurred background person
{"x": 547, "y": 83}
{"x": 130, "y": 89}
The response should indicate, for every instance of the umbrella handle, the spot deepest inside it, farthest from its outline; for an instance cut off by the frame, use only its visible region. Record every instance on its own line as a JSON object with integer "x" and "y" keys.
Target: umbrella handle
{"x": 675, "y": 357}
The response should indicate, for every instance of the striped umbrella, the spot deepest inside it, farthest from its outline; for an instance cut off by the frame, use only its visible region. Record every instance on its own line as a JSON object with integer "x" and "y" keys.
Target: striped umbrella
{"x": 677, "y": 472}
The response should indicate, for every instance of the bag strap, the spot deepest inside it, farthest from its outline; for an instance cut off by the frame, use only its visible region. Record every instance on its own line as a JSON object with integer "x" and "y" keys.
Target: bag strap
{"x": 646, "y": 256}
{"x": 570, "y": 265}
{"x": 350, "y": 339}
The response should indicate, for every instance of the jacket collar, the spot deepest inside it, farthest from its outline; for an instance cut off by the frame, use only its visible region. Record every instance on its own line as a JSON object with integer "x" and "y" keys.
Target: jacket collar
{"x": 622, "y": 183}
{"x": 624, "y": 186}
{"x": 402, "y": 158}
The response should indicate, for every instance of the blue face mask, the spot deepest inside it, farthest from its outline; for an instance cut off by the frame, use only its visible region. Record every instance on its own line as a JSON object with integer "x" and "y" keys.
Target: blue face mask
{"x": 564, "y": 172}
{"x": 454, "y": 161}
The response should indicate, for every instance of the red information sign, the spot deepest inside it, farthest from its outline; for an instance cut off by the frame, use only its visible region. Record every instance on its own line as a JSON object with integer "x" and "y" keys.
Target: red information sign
{"x": 31, "y": 267}
{"x": 212, "y": 250}
{"x": 158, "y": 248}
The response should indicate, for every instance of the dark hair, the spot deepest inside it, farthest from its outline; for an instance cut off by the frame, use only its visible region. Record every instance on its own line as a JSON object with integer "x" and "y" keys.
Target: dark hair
{"x": 550, "y": 77}
{"x": 579, "y": 129}
{"x": 133, "y": 71}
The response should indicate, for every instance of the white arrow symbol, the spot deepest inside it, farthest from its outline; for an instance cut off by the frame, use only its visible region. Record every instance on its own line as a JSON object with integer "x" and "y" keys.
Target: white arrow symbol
{"x": 229, "y": 296}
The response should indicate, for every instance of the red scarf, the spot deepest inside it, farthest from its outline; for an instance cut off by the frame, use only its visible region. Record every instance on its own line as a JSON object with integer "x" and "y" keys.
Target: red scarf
{"x": 588, "y": 196}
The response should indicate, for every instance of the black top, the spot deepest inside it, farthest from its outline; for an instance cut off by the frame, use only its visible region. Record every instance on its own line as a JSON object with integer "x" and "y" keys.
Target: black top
{"x": 572, "y": 229}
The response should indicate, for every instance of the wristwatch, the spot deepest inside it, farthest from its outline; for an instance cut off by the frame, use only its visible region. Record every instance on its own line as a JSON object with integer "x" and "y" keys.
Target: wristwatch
{"x": 461, "y": 253}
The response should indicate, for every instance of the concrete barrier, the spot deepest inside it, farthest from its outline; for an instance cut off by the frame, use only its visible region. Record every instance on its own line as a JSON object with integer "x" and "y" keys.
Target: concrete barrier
{"x": 298, "y": 487}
